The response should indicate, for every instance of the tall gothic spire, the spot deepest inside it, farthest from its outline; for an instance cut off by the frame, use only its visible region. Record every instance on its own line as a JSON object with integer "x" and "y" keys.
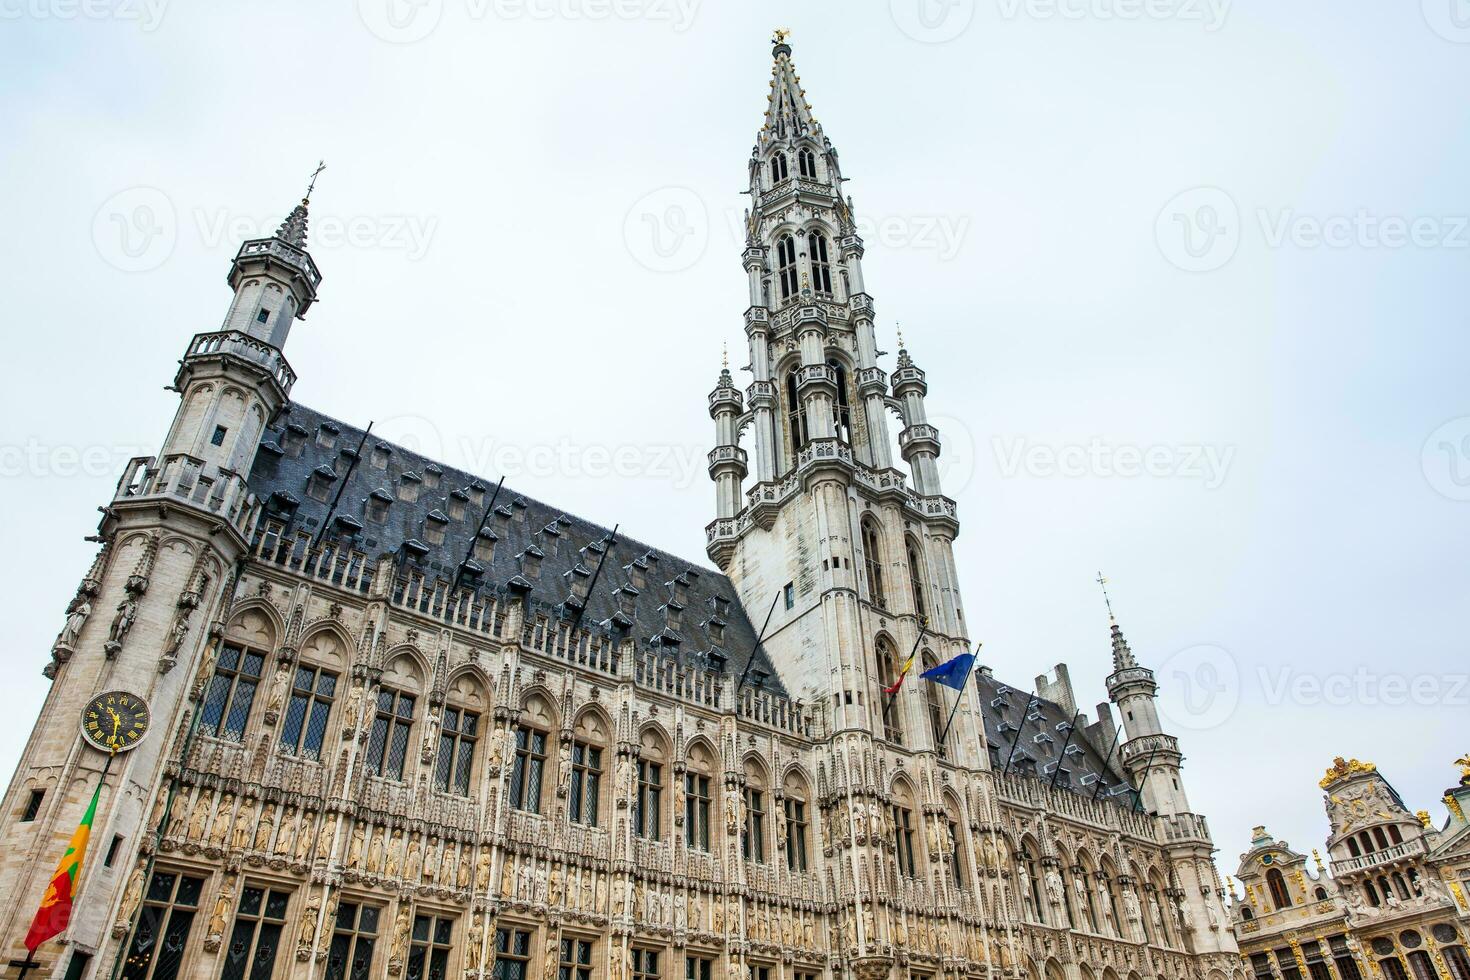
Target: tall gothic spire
{"x": 293, "y": 229}
{"x": 1122, "y": 655}
{"x": 788, "y": 114}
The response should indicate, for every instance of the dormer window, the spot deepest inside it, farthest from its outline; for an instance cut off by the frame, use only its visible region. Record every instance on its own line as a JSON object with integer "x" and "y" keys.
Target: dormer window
{"x": 637, "y": 574}
{"x": 485, "y": 546}
{"x": 502, "y": 519}
{"x": 672, "y": 615}
{"x": 806, "y": 163}
{"x": 717, "y": 631}
{"x": 377, "y": 505}
{"x": 432, "y": 475}
{"x": 721, "y": 605}
{"x": 319, "y": 487}
{"x": 778, "y": 168}
{"x": 326, "y": 435}
{"x": 531, "y": 561}
{"x": 456, "y": 504}
{"x": 409, "y": 485}
{"x": 293, "y": 439}
{"x": 680, "y": 586}
{"x": 380, "y": 456}
{"x": 434, "y": 526}
{"x": 476, "y": 493}
{"x": 345, "y": 459}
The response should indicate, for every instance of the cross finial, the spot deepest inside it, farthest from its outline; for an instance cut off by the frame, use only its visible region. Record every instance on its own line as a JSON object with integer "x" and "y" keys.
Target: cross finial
{"x": 899, "y": 327}
{"x": 725, "y": 355}
{"x": 1103, "y": 584}
{"x": 320, "y": 166}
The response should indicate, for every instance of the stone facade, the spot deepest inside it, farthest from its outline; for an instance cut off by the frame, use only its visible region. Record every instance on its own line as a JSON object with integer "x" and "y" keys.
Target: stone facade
{"x": 408, "y": 724}
{"x": 1392, "y": 906}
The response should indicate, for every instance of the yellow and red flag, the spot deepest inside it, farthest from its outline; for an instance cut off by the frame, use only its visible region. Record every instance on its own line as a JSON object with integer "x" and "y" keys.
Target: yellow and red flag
{"x": 55, "y": 911}
{"x": 902, "y": 673}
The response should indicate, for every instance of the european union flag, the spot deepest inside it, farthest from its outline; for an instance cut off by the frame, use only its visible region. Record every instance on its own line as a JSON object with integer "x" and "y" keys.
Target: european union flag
{"x": 952, "y": 673}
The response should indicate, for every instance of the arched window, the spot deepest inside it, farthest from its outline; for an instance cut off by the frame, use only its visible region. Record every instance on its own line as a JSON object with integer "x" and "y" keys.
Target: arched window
{"x": 697, "y": 799}
{"x": 1246, "y": 913}
{"x": 388, "y": 741}
{"x": 795, "y": 416}
{"x": 648, "y": 804}
{"x": 915, "y": 555}
{"x": 528, "y": 771}
{"x": 304, "y": 725}
{"x": 798, "y": 826}
{"x": 873, "y": 562}
{"x": 1027, "y": 861}
{"x": 1372, "y": 893}
{"x": 1108, "y": 892}
{"x": 841, "y": 409}
{"x": 934, "y": 703}
{"x": 1380, "y": 837}
{"x": 753, "y": 832}
{"x": 1081, "y": 876}
{"x": 1321, "y": 894}
{"x": 237, "y": 675}
{"x": 1366, "y": 840}
{"x": 1353, "y": 848}
{"x": 1393, "y": 834}
{"x": 786, "y": 266}
{"x": 903, "y": 833}
{"x": 778, "y": 167}
{"x": 1277, "y": 883}
{"x": 459, "y": 733}
{"x": 888, "y": 666}
{"x": 954, "y": 842}
{"x": 806, "y": 163}
{"x": 589, "y": 742}
{"x": 816, "y": 244}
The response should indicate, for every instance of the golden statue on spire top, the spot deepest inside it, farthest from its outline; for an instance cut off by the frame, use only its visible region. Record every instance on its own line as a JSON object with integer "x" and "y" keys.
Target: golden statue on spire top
{"x": 780, "y": 35}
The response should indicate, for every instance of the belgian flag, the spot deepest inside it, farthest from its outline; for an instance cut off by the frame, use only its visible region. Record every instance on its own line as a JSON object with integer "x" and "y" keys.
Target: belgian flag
{"x": 55, "y": 911}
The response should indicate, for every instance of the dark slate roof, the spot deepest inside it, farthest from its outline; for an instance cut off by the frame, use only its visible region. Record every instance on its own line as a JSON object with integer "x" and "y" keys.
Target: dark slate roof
{"x": 1003, "y": 707}
{"x": 281, "y": 477}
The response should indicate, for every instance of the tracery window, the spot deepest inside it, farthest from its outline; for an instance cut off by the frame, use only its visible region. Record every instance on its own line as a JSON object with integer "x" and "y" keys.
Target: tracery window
{"x": 786, "y": 273}
{"x": 779, "y": 171}
{"x": 806, "y": 163}
{"x": 821, "y": 261}
{"x": 231, "y": 692}
{"x": 388, "y": 741}
{"x": 873, "y": 562}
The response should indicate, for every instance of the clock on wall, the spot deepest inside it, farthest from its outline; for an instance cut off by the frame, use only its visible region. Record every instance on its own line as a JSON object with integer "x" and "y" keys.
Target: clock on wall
{"x": 115, "y": 721}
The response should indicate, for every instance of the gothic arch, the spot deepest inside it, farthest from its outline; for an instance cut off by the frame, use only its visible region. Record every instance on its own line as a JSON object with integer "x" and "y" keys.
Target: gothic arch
{"x": 472, "y": 671}
{"x": 700, "y": 745}
{"x": 406, "y": 670}
{"x": 467, "y": 687}
{"x": 653, "y": 736}
{"x": 593, "y": 724}
{"x": 538, "y": 709}
{"x": 313, "y": 638}
{"x": 795, "y": 772}
{"x": 256, "y": 622}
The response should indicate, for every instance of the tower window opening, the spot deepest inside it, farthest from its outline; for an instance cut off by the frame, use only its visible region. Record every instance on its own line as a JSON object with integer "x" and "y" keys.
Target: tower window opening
{"x": 795, "y": 416}
{"x": 821, "y": 264}
{"x": 778, "y": 168}
{"x": 786, "y": 266}
{"x": 916, "y": 582}
{"x": 806, "y": 163}
{"x": 33, "y": 805}
{"x": 112, "y": 850}
{"x": 262, "y": 315}
{"x": 789, "y": 593}
{"x": 873, "y": 562}
{"x": 218, "y": 439}
{"x": 842, "y": 408}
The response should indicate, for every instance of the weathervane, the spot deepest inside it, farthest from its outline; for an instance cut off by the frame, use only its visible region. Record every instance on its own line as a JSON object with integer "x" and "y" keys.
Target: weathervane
{"x": 725, "y": 354}
{"x": 1104, "y": 584}
{"x": 898, "y": 327}
{"x": 320, "y": 166}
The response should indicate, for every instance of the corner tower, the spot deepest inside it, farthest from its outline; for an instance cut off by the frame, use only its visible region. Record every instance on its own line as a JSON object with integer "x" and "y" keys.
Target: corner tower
{"x": 856, "y": 553}
{"x": 148, "y": 613}
{"x": 1152, "y": 759}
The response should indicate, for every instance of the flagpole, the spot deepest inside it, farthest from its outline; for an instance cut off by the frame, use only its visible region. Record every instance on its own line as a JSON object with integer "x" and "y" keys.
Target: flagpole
{"x": 754, "y": 647}
{"x": 174, "y": 780}
{"x": 1029, "y": 698}
{"x": 958, "y": 698}
{"x": 1106, "y": 759}
{"x": 1063, "y": 757}
{"x": 923, "y": 628}
{"x": 25, "y": 966}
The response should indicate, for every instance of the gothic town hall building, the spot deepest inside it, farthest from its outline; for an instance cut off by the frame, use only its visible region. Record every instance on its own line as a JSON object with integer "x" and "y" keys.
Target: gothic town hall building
{"x": 405, "y": 726}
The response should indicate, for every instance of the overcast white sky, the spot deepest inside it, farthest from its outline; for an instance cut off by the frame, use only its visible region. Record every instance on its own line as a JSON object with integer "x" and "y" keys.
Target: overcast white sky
{"x": 1227, "y": 239}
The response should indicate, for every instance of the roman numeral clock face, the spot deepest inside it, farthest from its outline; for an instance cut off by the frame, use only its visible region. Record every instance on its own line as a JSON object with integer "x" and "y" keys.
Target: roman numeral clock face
{"x": 115, "y": 721}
